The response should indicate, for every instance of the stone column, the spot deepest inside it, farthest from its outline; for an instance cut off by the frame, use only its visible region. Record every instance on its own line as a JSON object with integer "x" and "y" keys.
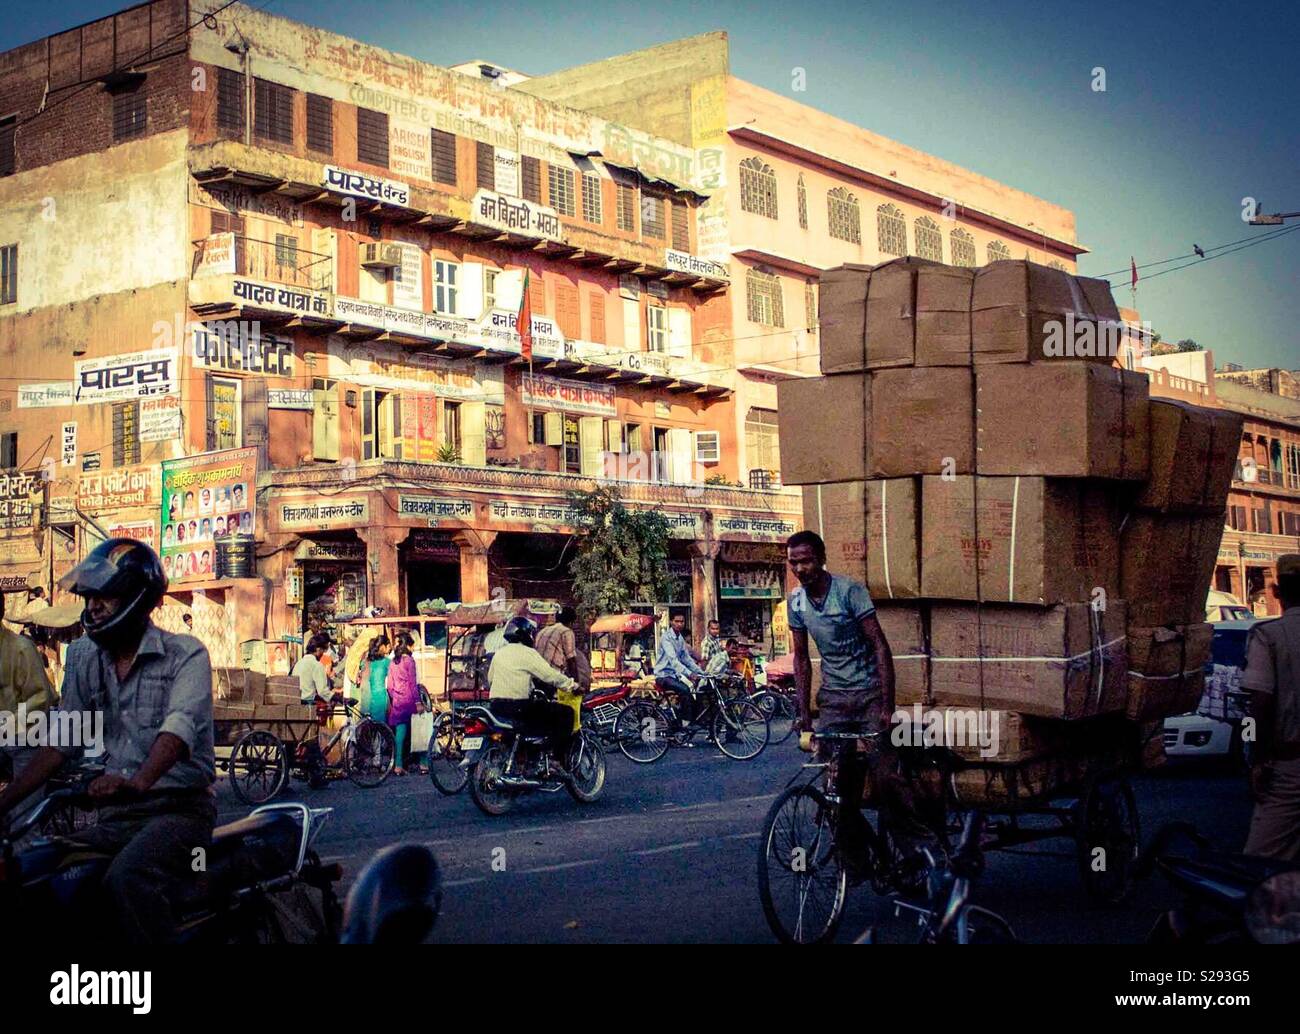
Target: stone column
{"x": 384, "y": 583}
{"x": 474, "y": 546}
{"x": 704, "y": 587}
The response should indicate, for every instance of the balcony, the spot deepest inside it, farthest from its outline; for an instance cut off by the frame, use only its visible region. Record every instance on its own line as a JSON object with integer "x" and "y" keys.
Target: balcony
{"x": 276, "y": 262}
{"x": 763, "y": 480}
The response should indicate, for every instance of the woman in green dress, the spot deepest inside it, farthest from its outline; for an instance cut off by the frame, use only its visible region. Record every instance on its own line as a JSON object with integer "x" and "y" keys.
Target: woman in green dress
{"x": 377, "y": 661}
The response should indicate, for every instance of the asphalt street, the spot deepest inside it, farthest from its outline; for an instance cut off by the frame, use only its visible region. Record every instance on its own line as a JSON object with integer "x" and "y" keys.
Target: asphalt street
{"x": 668, "y": 854}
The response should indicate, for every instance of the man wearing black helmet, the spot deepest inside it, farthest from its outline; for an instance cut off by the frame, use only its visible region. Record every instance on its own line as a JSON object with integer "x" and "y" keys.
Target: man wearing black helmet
{"x": 514, "y": 668}
{"x": 154, "y": 691}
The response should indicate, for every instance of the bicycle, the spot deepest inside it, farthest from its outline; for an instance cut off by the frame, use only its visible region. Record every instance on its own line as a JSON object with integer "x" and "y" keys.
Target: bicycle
{"x": 780, "y": 710}
{"x": 739, "y": 728}
{"x": 447, "y": 770}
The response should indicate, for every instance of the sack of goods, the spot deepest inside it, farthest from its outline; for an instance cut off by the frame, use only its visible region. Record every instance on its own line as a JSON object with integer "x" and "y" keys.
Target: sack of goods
{"x": 1038, "y": 534}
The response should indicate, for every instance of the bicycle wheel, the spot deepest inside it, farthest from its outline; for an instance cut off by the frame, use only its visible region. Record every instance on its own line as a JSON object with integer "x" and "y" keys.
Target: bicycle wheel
{"x": 446, "y": 755}
{"x": 802, "y": 882}
{"x": 779, "y": 711}
{"x": 641, "y": 732}
{"x": 369, "y": 755}
{"x": 258, "y": 766}
{"x": 1108, "y": 839}
{"x": 740, "y": 729}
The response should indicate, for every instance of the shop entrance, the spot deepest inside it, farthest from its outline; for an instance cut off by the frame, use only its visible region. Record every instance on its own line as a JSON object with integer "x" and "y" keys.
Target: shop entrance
{"x": 430, "y": 566}
{"x": 333, "y": 580}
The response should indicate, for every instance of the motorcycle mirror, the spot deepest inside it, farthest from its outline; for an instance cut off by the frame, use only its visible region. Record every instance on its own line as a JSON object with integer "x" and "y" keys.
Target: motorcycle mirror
{"x": 1273, "y": 909}
{"x": 396, "y": 898}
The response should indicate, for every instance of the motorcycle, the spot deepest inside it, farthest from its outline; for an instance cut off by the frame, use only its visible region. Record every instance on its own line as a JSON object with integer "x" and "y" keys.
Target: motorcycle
{"x": 600, "y": 711}
{"x": 505, "y": 763}
{"x": 1228, "y": 898}
{"x": 262, "y": 882}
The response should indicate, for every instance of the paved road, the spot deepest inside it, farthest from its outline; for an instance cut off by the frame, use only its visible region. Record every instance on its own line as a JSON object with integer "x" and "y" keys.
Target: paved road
{"x": 668, "y": 855}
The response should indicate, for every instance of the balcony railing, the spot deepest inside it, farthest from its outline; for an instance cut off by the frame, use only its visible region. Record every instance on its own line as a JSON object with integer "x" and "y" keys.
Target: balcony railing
{"x": 273, "y": 261}
{"x": 763, "y": 480}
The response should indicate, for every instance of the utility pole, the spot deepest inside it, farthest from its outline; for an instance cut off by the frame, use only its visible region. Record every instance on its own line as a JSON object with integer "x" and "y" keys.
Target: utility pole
{"x": 1276, "y": 219}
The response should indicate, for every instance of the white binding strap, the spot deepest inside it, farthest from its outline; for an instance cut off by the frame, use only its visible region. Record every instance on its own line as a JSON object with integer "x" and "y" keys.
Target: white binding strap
{"x": 821, "y": 523}
{"x": 884, "y": 533}
{"x": 1011, "y": 567}
{"x": 1036, "y": 660}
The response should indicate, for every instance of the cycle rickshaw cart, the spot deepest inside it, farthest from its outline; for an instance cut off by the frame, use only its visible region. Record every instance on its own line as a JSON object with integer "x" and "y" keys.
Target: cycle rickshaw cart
{"x": 1080, "y": 792}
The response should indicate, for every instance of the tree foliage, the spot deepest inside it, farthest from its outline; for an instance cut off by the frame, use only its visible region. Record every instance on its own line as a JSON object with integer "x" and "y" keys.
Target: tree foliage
{"x": 621, "y": 553}
{"x": 1188, "y": 345}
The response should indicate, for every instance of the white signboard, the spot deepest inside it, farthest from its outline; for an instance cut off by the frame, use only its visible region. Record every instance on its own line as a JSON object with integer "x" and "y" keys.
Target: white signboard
{"x": 767, "y": 528}
{"x": 571, "y": 396}
{"x": 515, "y": 215}
{"x": 408, "y": 291}
{"x": 434, "y": 508}
{"x": 160, "y": 419}
{"x": 40, "y": 396}
{"x": 70, "y": 444}
{"x": 683, "y": 262}
{"x": 277, "y": 296}
{"x": 359, "y": 184}
{"x": 506, "y": 171}
{"x": 216, "y": 255}
{"x": 342, "y": 512}
{"x": 409, "y": 151}
{"x": 135, "y": 375}
{"x": 290, "y": 398}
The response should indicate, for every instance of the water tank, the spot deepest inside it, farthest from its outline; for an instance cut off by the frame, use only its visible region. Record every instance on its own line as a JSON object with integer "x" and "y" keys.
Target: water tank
{"x": 236, "y": 557}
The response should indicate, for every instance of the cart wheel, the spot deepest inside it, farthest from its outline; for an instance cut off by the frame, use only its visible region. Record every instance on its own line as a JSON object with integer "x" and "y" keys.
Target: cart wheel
{"x": 258, "y": 766}
{"x": 1108, "y": 837}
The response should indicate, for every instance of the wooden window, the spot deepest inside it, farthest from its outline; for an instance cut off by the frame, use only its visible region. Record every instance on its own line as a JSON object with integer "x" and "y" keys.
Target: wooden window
{"x": 1262, "y": 523}
{"x": 681, "y": 225}
{"x": 485, "y": 166}
{"x": 9, "y": 450}
{"x": 490, "y": 289}
{"x": 272, "y": 111}
{"x": 532, "y": 178}
{"x": 810, "y": 305}
{"x": 963, "y": 247}
{"x": 596, "y": 302}
{"x": 444, "y": 157}
{"x": 567, "y": 314}
{"x": 657, "y": 328}
{"x": 537, "y": 294}
{"x": 126, "y": 433}
{"x": 891, "y": 230}
{"x": 325, "y": 419}
{"x": 997, "y": 251}
{"x": 627, "y": 207}
{"x": 929, "y": 241}
{"x": 763, "y": 298}
{"x": 230, "y": 102}
{"x": 372, "y": 137}
{"x": 8, "y": 274}
{"x": 562, "y": 190}
{"x": 320, "y": 123}
{"x": 451, "y": 425}
{"x": 286, "y": 253}
{"x": 381, "y": 425}
{"x": 801, "y": 196}
{"x": 8, "y": 129}
{"x": 652, "y": 217}
{"x": 572, "y": 445}
{"x": 757, "y": 188}
{"x": 593, "y": 208}
{"x": 130, "y": 113}
{"x": 762, "y": 442}
{"x": 843, "y": 219}
{"x": 446, "y": 280}
{"x": 225, "y": 412}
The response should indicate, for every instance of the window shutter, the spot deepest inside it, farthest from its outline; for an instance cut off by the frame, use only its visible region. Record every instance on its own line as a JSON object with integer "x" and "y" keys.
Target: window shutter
{"x": 681, "y": 226}
{"x": 509, "y": 289}
{"x": 368, "y": 421}
{"x": 230, "y": 102}
{"x": 554, "y": 427}
{"x": 444, "y": 157}
{"x": 372, "y": 137}
{"x": 469, "y": 302}
{"x": 325, "y": 424}
{"x": 679, "y": 448}
{"x": 532, "y": 179}
{"x": 537, "y": 294}
{"x": 485, "y": 156}
{"x": 591, "y": 433}
{"x": 596, "y": 301}
{"x": 706, "y": 447}
{"x": 679, "y": 332}
{"x": 320, "y": 123}
{"x": 473, "y": 434}
{"x": 614, "y": 435}
{"x": 567, "y": 315}
{"x": 631, "y": 325}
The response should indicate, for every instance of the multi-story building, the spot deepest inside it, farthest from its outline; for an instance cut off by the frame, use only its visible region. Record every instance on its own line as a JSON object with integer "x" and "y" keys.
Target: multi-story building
{"x": 793, "y": 192}
{"x": 263, "y": 279}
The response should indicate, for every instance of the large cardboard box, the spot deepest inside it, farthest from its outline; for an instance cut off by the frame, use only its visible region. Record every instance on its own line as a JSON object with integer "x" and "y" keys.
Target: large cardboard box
{"x": 1062, "y": 420}
{"x": 990, "y": 734}
{"x": 892, "y": 312}
{"x": 1066, "y": 661}
{"x": 822, "y": 423}
{"x": 1166, "y": 669}
{"x": 904, "y": 625}
{"x": 871, "y": 530}
{"x": 1019, "y": 539}
{"x": 943, "y": 324}
{"x": 1193, "y": 453}
{"x": 995, "y": 785}
{"x": 1167, "y": 565}
{"x": 1022, "y": 311}
{"x": 283, "y": 689}
{"x": 922, "y": 421}
{"x": 841, "y": 318}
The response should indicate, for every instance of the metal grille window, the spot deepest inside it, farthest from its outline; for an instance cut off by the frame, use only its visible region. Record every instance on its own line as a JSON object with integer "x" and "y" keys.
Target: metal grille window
{"x": 230, "y": 101}
{"x": 562, "y": 190}
{"x": 652, "y": 217}
{"x": 446, "y": 277}
{"x": 997, "y": 251}
{"x": 963, "y": 247}
{"x": 843, "y": 220}
{"x": 8, "y": 274}
{"x": 444, "y": 157}
{"x": 762, "y": 446}
{"x": 8, "y": 127}
{"x": 627, "y": 207}
{"x": 763, "y": 298}
{"x": 286, "y": 251}
{"x": 320, "y": 123}
{"x": 531, "y": 174}
{"x": 485, "y": 166}
{"x": 802, "y": 198}
{"x": 810, "y": 304}
{"x": 929, "y": 240}
{"x": 681, "y": 226}
{"x": 593, "y": 210}
{"x": 272, "y": 111}
{"x": 372, "y": 137}
{"x": 891, "y": 230}
{"x": 757, "y": 188}
{"x": 130, "y": 113}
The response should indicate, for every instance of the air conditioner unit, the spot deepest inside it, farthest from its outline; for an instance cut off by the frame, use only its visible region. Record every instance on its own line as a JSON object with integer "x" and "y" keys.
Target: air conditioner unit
{"x": 381, "y": 256}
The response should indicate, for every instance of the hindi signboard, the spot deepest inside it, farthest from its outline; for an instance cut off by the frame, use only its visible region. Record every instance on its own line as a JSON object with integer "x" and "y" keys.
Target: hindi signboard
{"x": 39, "y": 396}
{"x": 515, "y": 215}
{"x": 290, "y": 398}
{"x": 205, "y": 497}
{"x": 571, "y": 396}
{"x": 118, "y": 488}
{"x": 160, "y": 419}
{"x": 17, "y": 488}
{"x": 239, "y": 346}
{"x": 683, "y": 262}
{"x": 358, "y": 184}
{"x": 434, "y": 508}
{"x": 69, "y": 444}
{"x": 325, "y": 512}
{"x": 133, "y": 375}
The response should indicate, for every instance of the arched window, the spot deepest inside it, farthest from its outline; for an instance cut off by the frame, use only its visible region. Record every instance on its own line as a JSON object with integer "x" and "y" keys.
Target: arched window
{"x": 998, "y": 251}
{"x": 803, "y": 204}
{"x": 763, "y": 298}
{"x": 757, "y": 188}
{"x": 963, "y": 247}
{"x": 842, "y": 216}
{"x": 891, "y": 230}
{"x": 929, "y": 241}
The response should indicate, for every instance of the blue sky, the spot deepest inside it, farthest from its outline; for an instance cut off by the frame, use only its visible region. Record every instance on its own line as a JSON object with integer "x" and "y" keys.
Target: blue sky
{"x": 1199, "y": 111}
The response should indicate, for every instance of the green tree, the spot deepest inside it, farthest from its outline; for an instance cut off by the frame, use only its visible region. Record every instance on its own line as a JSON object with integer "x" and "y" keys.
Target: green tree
{"x": 621, "y": 554}
{"x": 1188, "y": 345}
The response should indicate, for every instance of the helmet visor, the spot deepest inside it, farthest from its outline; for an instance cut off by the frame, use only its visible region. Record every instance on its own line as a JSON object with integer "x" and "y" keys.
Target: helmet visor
{"x": 90, "y": 577}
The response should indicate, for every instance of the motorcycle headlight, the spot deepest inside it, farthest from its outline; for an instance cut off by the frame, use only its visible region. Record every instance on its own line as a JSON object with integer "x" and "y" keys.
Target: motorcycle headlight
{"x": 1273, "y": 909}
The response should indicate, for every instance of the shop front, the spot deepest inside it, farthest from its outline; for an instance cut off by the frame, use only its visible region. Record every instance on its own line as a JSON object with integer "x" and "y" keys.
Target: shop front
{"x": 751, "y": 585}
{"x": 328, "y": 582}
{"x": 429, "y": 566}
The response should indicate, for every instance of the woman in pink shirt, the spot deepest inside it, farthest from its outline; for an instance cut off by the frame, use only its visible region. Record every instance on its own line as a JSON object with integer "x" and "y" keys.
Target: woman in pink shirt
{"x": 403, "y": 697}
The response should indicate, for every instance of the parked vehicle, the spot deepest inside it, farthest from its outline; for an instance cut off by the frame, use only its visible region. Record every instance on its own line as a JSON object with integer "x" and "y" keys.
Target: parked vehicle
{"x": 734, "y": 723}
{"x": 1227, "y": 898}
{"x": 1223, "y": 606}
{"x": 1213, "y": 730}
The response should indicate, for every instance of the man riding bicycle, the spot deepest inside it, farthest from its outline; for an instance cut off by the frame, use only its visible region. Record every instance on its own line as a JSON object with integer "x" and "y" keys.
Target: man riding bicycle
{"x": 675, "y": 668}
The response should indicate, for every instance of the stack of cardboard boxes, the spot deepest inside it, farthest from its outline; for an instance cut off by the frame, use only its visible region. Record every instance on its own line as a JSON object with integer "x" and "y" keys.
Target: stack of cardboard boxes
{"x": 1015, "y": 503}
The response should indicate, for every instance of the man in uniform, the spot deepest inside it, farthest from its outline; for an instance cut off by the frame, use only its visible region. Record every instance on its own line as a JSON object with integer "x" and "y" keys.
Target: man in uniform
{"x": 1272, "y": 676}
